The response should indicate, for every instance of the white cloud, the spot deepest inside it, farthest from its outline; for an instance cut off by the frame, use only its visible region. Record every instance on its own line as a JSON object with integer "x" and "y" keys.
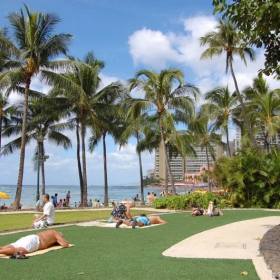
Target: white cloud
{"x": 152, "y": 47}
{"x": 106, "y": 80}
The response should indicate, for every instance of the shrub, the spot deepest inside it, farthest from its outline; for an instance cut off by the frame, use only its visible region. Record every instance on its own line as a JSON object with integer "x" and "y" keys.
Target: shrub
{"x": 251, "y": 177}
{"x": 185, "y": 202}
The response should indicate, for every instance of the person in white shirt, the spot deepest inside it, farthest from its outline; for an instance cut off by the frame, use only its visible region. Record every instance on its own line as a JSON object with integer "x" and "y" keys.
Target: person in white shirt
{"x": 48, "y": 214}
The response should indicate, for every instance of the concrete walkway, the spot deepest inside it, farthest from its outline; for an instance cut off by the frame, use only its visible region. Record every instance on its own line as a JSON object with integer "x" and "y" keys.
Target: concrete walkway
{"x": 31, "y": 210}
{"x": 238, "y": 240}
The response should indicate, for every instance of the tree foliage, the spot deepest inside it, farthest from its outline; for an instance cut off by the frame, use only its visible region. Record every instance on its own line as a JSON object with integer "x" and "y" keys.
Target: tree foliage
{"x": 251, "y": 178}
{"x": 258, "y": 22}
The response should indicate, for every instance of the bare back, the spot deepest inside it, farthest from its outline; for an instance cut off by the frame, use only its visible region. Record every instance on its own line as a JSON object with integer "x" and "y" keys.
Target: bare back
{"x": 50, "y": 238}
{"x": 156, "y": 220}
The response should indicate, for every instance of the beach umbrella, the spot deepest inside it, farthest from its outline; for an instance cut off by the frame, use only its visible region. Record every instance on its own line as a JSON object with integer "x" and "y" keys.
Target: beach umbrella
{"x": 4, "y": 195}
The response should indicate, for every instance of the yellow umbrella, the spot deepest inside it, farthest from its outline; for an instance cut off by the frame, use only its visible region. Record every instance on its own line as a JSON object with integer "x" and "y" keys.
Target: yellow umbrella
{"x": 4, "y": 195}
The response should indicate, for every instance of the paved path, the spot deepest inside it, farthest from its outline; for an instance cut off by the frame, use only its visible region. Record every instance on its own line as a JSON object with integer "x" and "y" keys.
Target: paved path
{"x": 238, "y": 240}
{"x": 29, "y": 211}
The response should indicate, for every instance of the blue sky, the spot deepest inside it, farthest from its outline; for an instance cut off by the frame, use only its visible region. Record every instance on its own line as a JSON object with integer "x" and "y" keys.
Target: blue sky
{"x": 127, "y": 35}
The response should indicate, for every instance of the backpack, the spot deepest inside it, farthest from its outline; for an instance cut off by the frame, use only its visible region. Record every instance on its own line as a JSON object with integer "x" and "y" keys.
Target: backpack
{"x": 119, "y": 211}
{"x": 121, "y": 208}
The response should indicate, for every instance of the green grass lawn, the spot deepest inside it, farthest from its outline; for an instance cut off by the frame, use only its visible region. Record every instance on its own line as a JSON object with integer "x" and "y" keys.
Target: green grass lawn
{"x": 22, "y": 220}
{"x": 109, "y": 253}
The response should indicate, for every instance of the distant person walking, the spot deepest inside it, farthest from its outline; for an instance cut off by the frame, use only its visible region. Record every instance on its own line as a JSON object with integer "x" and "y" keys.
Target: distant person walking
{"x": 68, "y": 198}
{"x": 54, "y": 202}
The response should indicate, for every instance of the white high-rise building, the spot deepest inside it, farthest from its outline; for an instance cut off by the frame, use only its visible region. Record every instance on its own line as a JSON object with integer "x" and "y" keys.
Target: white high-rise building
{"x": 237, "y": 140}
{"x": 177, "y": 164}
{"x": 194, "y": 163}
{"x": 180, "y": 166}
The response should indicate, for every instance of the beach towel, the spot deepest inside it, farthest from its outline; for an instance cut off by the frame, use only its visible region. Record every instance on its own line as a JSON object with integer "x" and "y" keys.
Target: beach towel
{"x": 39, "y": 252}
{"x": 109, "y": 225}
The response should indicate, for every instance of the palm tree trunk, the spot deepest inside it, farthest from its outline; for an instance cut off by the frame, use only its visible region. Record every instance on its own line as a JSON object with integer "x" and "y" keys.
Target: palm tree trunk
{"x": 141, "y": 172}
{"x": 166, "y": 160}
{"x": 228, "y": 147}
{"x": 267, "y": 146}
{"x": 16, "y": 204}
{"x": 43, "y": 168}
{"x": 247, "y": 123}
{"x": 169, "y": 172}
{"x": 1, "y": 118}
{"x": 83, "y": 132}
{"x": 106, "y": 199}
{"x": 208, "y": 167}
{"x": 165, "y": 182}
{"x": 79, "y": 162}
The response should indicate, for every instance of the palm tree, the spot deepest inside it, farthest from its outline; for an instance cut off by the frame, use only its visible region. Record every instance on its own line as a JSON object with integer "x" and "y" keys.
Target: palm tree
{"x": 33, "y": 47}
{"x": 220, "y": 108}
{"x": 163, "y": 91}
{"x": 264, "y": 105}
{"x": 175, "y": 143}
{"x": 83, "y": 76}
{"x": 205, "y": 138}
{"x": 42, "y": 119}
{"x": 134, "y": 127}
{"x": 226, "y": 39}
{"x": 4, "y": 115}
{"x": 110, "y": 121}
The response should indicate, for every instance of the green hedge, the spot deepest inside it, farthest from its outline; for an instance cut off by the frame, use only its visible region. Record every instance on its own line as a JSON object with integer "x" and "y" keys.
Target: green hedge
{"x": 185, "y": 202}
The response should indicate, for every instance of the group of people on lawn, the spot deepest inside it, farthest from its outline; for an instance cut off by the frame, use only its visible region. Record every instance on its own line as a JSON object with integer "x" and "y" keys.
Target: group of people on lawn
{"x": 121, "y": 214}
{"x": 211, "y": 211}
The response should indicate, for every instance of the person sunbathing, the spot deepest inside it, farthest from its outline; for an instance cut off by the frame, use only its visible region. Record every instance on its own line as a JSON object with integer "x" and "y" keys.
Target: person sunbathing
{"x": 213, "y": 211}
{"x": 34, "y": 242}
{"x": 142, "y": 221}
{"x": 197, "y": 212}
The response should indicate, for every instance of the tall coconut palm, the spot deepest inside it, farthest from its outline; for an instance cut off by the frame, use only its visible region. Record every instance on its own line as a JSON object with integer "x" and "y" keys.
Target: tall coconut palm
{"x": 43, "y": 117}
{"x": 175, "y": 143}
{"x": 33, "y": 47}
{"x": 84, "y": 76}
{"x": 220, "y": 108}
{"x": 227, "y": 40}
{"x": 164, "y": 92}
{"x": 264, "y": 105}
{"x": 205, "y": 138}
{"x": 110, "y": 121}
{"x": 4, "y": 116}
{"x": 134, "y": 127}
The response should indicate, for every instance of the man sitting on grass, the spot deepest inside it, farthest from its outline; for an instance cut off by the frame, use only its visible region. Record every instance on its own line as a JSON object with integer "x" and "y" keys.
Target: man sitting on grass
{"x": 141, "y": 221}
{"x": 48, "y": 214}
{"x": 34, "y": 242}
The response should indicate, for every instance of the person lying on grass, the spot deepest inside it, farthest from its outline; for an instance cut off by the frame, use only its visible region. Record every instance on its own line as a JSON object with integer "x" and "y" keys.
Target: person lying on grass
{"x": 197, "y": 212}
{"x": 34, "y": 242}
{"x": 141, "y": 221}
{"x": 213, "y": 211}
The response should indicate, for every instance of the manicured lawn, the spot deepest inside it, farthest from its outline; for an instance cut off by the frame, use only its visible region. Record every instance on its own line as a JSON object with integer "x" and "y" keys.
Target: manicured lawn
{"x": 21, "y": 221}
{"x": 109, "y": 253}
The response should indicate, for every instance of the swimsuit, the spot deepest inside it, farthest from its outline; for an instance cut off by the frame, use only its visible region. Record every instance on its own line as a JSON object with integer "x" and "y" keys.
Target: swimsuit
{"x": 143, "y": 220}
{"x": 30, "y": 243}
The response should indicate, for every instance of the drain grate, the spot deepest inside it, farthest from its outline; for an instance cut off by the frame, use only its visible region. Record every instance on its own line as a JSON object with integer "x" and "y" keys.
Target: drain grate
{"x": 231, "y": 245}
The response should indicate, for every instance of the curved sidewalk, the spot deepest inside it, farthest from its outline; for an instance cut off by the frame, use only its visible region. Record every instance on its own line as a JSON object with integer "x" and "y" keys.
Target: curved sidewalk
{"x": 238, "y": 240}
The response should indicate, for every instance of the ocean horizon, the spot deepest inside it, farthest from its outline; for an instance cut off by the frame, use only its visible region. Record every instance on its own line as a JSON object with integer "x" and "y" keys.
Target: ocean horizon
{"x": 116, "y": 193}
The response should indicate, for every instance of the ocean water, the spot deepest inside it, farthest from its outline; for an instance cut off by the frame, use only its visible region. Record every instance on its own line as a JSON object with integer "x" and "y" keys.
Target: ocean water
{"x": 116, "y": 193}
